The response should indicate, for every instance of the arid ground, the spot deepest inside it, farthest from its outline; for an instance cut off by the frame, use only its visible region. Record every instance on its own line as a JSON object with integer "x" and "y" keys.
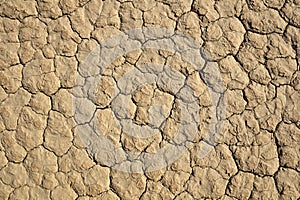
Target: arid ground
{"x": 154, "y": 99}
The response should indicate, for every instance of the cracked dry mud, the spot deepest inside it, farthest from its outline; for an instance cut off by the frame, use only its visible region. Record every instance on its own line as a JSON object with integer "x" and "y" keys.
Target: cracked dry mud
{"x": 256, "y": 46}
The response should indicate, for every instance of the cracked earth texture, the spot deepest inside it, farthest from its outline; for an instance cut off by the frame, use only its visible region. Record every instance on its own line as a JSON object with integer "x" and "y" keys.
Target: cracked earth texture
{"x": 256, "y": 46}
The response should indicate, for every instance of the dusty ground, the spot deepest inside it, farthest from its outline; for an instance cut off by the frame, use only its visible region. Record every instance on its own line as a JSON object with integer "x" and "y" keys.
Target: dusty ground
{"x": 256, "y": 45}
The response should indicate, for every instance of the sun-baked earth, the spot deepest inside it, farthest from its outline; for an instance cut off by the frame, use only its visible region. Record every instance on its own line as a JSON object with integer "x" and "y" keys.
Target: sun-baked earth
{"x": 256, "y": 45}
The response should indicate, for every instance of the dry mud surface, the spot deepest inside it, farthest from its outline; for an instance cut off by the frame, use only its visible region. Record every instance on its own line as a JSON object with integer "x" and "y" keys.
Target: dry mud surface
{"x": 46, "y": 151}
